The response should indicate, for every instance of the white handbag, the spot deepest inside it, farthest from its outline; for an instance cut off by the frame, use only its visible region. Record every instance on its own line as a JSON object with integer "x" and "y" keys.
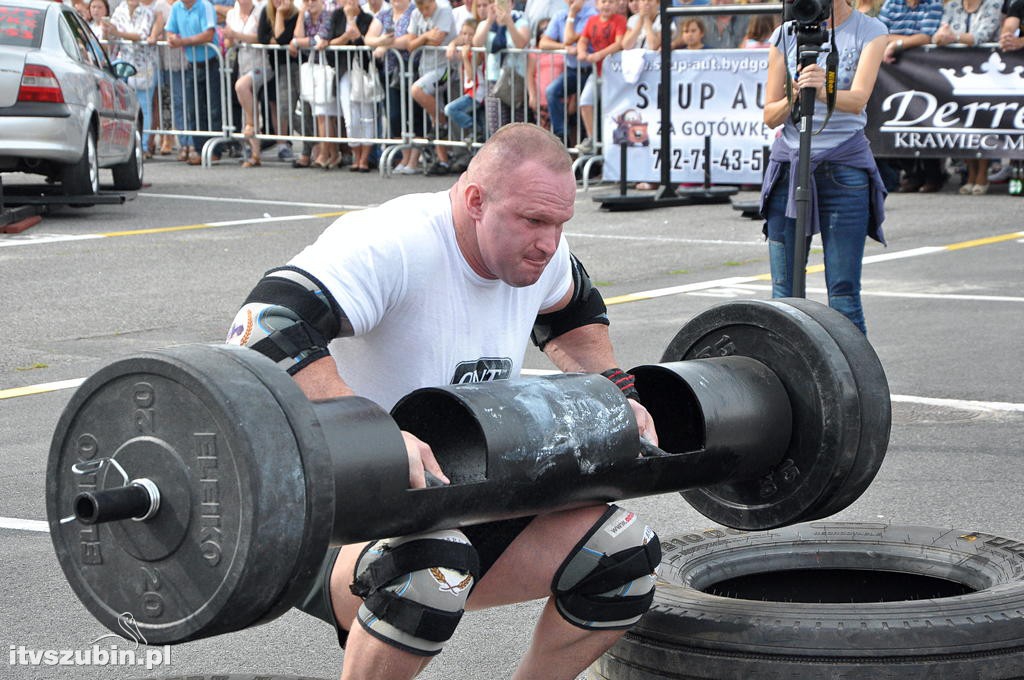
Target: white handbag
{"x": 317, "y": 81}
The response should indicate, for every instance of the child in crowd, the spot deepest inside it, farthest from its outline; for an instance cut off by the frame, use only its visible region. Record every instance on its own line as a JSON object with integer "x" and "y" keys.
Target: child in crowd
{"x": 432, "y": 26}
{"x": 467, "y": 111}
{"x": 601, "y": 36}
{"x": 692, "y": 35}
{"x": 99, "y": 17}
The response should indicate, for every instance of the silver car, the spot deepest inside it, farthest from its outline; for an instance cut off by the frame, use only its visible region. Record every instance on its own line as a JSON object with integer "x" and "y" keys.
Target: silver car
{"x": 65, "y": 110}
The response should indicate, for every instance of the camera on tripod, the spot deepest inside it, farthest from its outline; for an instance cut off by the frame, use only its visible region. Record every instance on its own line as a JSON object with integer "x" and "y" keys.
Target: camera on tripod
{"x": 809, "y": 17}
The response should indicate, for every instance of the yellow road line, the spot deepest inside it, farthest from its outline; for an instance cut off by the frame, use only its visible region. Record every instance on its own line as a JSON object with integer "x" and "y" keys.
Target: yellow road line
{"x": 41, "y": 388}
{"x": 985, "y": 241}
{"x": 214, "y": 225}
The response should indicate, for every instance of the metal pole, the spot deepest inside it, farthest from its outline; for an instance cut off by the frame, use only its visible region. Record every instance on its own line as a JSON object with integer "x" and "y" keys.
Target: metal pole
{"x": 803, "y": 186}
{"x": 666, "y": 190}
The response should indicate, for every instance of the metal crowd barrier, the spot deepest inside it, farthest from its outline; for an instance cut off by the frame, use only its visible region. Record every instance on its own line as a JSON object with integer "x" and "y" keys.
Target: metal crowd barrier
{"x": 195, "y": 101}
{"x": 186, "y": 98}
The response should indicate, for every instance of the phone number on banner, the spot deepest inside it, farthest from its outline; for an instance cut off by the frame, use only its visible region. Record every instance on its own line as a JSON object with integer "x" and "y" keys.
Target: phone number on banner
{"x": 691, "y": 158}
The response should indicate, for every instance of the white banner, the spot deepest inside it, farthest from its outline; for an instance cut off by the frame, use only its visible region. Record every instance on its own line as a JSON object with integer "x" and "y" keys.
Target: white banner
{"x": 715, "y": 93}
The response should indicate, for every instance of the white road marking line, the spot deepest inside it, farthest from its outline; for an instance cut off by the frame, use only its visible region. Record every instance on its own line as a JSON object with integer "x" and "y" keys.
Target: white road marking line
{"x": 253, "y": 201}
{"x": 962, "y": 404}
{"x": 920, "y": 296}
{"x": 664, "y": 239}
{"x": 24, "y": 524}
{"x": 38, "y": 239}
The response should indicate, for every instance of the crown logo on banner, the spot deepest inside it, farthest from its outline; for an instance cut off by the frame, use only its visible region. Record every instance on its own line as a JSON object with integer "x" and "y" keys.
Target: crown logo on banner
{"x": 991, "y": 81}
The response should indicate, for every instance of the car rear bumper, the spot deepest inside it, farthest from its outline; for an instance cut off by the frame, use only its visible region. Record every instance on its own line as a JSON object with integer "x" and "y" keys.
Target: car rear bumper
{"x": 47, "y": 138}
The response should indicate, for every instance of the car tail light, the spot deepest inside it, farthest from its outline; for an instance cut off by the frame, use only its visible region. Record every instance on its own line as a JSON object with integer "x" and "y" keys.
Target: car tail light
{"x": 38, "y": 84}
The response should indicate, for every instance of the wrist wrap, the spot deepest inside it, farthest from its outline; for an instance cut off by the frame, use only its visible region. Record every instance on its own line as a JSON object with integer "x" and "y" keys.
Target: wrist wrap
{"x": 624, "y": 381}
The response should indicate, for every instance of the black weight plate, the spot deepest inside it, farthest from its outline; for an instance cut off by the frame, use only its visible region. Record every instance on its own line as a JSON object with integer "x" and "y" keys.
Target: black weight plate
{"x": 180, "y": 412}
{"x": 875, "y": 402}
{"x": 317, "y": 471}
{"x": 823, "y": 397}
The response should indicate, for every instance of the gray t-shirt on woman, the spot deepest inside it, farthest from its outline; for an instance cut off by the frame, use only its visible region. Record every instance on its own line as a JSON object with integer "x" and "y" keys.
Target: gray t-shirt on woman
{"x": 852, "y": 36}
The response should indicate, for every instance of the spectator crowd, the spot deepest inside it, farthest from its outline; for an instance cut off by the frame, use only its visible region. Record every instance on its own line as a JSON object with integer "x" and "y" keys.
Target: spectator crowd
{"x": 319, "y": 83}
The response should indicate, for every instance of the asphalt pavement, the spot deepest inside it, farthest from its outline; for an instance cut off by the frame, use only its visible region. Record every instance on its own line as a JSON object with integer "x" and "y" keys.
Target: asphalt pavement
{"x": 84, "y": 287}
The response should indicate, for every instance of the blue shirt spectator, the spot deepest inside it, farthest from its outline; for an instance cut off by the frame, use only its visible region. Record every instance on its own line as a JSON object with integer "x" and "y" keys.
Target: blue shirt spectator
{"x": 556, "y": 28}
{"x": 187, "y": 20}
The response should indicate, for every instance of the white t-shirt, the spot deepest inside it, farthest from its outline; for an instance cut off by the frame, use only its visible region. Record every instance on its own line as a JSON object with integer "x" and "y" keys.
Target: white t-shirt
{"x": 248, "y": 57}
{"x": 641, "y": 39}
{"x": 434, "y": 57}
{"x": 422, "y": 317}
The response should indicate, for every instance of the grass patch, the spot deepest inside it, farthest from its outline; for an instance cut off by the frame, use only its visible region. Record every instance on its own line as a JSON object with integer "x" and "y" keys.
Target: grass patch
{"x": 33, "y": 367}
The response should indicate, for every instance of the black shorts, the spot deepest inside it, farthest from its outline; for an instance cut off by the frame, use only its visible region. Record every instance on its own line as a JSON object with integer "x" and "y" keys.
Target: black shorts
{"x": 490, "y": 540}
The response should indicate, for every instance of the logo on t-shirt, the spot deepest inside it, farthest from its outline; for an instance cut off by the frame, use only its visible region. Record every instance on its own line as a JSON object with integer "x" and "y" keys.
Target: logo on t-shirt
{"x": 483, "y": 369}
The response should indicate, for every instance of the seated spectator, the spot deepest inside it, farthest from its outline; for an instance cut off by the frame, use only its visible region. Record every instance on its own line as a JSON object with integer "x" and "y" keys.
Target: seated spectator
{"x": 1010, "y": 38}
{"x": 557, "y": 37}
{"x": 349, "y": 25}
{"x": 240, "y": 31}
{"x": 468, "y": 110}
{"x": 432, "y": 26}
{"x": 501, "y": 28}
{"x": 759, "y": 30}
{"x": 601, "y": 36}
{"x": 133, "y": 22}
{"x": 277, "y": 27}
{"x": 912, "y": 23}
{"x": 970, "y": 22}
{"x": 316, "y": 17}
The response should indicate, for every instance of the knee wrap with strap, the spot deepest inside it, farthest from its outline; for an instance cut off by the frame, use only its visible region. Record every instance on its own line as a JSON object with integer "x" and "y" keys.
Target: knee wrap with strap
{"x": 414, "y": 588}
{"x": 607, "y": 581}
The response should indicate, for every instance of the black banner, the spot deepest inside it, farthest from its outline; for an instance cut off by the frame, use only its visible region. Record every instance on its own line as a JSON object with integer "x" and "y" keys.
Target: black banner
{"x": 949, "y": 103}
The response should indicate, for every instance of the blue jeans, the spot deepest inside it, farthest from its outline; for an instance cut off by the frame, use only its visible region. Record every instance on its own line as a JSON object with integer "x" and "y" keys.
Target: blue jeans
{"x": 146, "y": 103}
{"x": 561, "y": 88}
{"x": 461, "y": 112}
{"x": 843, "y": 208}
{"x": 202, "y": 108}
{"x": 177, "y": 81}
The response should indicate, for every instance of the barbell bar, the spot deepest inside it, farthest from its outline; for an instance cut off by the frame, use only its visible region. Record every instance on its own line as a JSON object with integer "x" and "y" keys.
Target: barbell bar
{"x": 255, "y": 481}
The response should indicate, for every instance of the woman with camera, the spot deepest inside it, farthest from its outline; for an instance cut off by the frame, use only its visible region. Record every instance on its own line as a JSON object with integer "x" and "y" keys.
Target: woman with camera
{"x": 846, "y": 189}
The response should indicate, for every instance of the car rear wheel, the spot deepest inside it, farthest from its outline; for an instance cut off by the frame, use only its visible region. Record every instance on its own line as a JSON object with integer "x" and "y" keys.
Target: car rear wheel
{"x": 128, "y": 175}
{"x": 83, "y": 178}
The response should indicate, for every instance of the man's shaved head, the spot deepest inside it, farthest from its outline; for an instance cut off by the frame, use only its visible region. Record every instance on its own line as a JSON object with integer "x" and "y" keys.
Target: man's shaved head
{"x": 512, "y": 146}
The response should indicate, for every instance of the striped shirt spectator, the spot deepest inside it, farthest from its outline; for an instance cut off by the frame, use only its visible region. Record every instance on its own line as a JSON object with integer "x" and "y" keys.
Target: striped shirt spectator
{"x": 905, "y": 18}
